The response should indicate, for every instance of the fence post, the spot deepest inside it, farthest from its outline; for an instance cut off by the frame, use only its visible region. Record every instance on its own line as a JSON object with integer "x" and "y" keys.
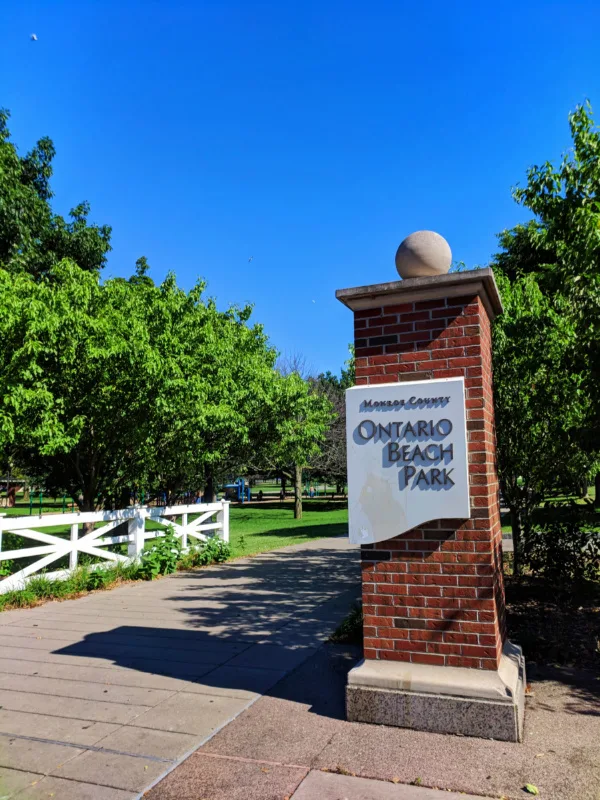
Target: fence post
{"x": 1, "y": 521}
{"x": 73, "y": 554}
{"x": 136, "y": 528}
{"x": 184, "y": 539}
{"x": 223, "y": 518}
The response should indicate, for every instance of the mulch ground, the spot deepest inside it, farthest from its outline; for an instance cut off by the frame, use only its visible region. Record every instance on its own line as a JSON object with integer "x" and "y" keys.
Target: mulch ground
{"x": 556, "y": 625}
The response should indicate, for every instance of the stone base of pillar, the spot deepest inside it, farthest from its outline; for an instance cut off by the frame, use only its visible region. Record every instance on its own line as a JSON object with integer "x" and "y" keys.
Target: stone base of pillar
{"x": 485, "y": 703}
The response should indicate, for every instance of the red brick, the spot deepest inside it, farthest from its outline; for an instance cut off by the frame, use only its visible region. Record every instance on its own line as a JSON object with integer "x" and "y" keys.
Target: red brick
{"x": 379, "y": 644}
{"x": 397, "y": 634}
{"x": 369, "y": 619}
{"x": 400, "y": 348}
{"x": 475, "y": 651}
{"x": 416, "y": 316}
{"x": 428, "y": 658}
{"x": 443, "y": 649}
{"x": 368, "y": 351}
{"x": 440, "y": 580}
{"x": 419, "y": 336}
{"x": 471, "y": 361}
{"x": 425, "y": 591}
{"x": 393, "y": 588}
{"x": 392, "y": 655}
{"x": 449, "y": 352}
{"x": 404, "y": 308}
{"x": 427, "y": 304}
{"x": 448, "y": 373}
{"x": 461, "y": 661}
{"x": 367, "y": 312}
{"x": 391, "y": 369}
{"x": 407, "y": 327}
{"x": 379, "y": 360}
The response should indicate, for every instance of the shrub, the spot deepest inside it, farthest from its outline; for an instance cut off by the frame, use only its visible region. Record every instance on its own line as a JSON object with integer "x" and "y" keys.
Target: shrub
{"x": 563, "y": 544}
{"x": 98, "y": 579}
{"x": 213, "y": 550}
{"x": 216, "y": 550}
{"x": 78, "y": 579}
{"x": 162, "y": 557}
{"x": 6, "y": 568}
{"x": 45, "y": 588}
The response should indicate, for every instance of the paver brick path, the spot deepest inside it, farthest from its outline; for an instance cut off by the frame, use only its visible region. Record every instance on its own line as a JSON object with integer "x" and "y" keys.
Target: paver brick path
{"x": 101, "y": 696}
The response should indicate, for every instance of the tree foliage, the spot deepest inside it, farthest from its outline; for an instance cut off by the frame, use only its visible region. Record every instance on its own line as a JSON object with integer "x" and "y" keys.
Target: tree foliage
{"x": 541, "y": 404}
{"x": 126, "y": 384}
{"x": 298, "y": 425}
{"x": 32, "y": 238}
{"x": 546, "y": 346}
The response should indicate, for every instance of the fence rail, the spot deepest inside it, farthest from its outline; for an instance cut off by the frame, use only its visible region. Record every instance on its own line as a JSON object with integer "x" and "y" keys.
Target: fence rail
{"x": 212, "y": 519}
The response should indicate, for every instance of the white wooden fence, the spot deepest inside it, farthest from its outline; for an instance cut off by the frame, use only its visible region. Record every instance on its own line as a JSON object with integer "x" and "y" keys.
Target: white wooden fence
{"x": 54, "y": 546}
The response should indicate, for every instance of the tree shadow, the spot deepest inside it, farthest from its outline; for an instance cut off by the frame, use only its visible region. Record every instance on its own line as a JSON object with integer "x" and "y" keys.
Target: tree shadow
{"x": 580, "y": 695}
{"x": 316, "y": 531}
{"x": 239, "y": 626}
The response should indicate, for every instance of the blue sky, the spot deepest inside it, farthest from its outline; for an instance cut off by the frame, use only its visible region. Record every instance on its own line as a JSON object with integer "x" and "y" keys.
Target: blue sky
{"x": 312, "y": 136}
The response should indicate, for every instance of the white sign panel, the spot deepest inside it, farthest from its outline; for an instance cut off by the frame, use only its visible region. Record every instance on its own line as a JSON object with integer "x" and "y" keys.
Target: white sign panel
{"x": 407, "y": 456}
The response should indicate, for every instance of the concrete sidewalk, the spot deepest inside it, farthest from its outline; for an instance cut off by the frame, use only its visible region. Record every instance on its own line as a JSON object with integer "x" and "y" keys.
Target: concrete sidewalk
{"x": 296, "y": 743}
{"x": 101, "y": 696}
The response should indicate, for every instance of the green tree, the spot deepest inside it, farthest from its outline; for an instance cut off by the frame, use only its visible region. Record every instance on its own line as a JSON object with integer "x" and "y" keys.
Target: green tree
{"x": 541, "y": 405}
{"x": 300, "y": 420}
{"x": 32, "y": 238}
{"x": 562, "y": 245}
{"x": 546, "y": 345}
{"x": 296, "y": 426}
{"x": 124, "y": 384}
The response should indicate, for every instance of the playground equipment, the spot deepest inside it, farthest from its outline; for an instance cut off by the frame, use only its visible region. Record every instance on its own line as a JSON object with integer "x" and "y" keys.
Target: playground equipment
{"x": 238, "y": 491}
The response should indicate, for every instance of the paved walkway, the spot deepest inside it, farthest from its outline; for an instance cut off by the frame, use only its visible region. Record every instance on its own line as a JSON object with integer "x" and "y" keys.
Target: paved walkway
{"x": 102, "y": 696}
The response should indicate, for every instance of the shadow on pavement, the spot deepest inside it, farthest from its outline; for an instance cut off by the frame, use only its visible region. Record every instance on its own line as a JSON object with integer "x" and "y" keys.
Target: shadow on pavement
{"x": 239, "y": 626}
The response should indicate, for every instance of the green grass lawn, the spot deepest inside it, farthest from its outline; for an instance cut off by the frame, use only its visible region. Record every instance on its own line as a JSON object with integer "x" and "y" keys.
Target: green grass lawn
{"x": 258, "y": 528}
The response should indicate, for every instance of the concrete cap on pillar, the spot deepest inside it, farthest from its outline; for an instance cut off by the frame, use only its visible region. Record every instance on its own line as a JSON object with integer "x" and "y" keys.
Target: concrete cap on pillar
{"x": 423, "y": 253}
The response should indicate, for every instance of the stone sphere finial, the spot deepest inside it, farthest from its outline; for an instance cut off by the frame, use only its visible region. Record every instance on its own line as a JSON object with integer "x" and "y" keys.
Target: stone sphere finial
{"x": 423, "y": 253}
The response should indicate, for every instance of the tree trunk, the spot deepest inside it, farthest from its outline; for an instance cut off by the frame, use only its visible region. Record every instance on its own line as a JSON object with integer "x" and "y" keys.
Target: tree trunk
{"x": 87, "y": 502}
{"x": 515, "y": 521}
{"x": 283, "y": 483}
{"x": 124, "y": 498}
{"x": 209, "y": 489}
{"x": 597, "y": 487}
{"x": 297, "y": 491}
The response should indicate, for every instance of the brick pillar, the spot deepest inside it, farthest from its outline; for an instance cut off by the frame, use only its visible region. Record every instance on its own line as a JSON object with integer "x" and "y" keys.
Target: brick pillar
{"x": 434, "y": 595}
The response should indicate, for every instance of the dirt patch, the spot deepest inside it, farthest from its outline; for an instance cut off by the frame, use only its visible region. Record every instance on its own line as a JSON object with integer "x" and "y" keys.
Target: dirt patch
{"x": 555, "y": 624}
